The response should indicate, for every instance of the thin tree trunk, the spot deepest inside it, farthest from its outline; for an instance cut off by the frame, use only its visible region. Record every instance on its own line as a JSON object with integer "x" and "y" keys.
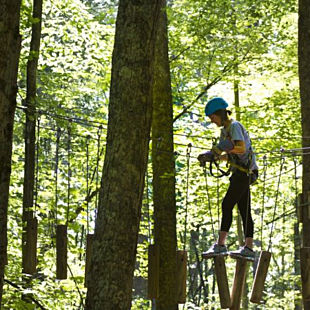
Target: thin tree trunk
{"x": 30, "y": 102}
{"x": 130, "y": 111}
{"x": 164, "y": 170}
{"x": 10, "y": 42}
{"x": 304, "y": 82}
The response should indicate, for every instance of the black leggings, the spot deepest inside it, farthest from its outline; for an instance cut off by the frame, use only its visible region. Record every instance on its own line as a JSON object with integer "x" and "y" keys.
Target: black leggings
{"x": 238, "y": 193}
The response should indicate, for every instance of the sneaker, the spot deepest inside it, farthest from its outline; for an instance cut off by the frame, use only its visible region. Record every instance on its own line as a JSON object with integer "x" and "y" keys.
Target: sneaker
{"x": 243, "y": 252}
{"x": 215, "y": 250}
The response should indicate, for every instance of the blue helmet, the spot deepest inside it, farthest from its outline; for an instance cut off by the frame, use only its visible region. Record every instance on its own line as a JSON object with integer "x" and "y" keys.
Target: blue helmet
{"x": 214, "y": 105}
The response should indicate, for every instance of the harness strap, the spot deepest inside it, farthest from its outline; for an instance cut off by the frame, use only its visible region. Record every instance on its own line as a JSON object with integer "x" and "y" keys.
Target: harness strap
{"x": 223, "y": 173}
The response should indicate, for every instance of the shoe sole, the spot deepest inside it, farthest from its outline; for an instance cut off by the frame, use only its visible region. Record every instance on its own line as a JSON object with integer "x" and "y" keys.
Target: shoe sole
{"x": 247, "y": 258}
{"x": 213, "y": 255}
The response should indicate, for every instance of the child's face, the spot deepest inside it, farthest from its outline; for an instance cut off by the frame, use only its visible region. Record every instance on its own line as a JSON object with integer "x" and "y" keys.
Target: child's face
{"x": 215, "y": 119}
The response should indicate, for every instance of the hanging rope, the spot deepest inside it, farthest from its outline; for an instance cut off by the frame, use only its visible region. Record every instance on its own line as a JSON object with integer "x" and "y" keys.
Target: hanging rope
{"x": 276, "y": 202}
{"x": 37, "y": 165}
{"x": 69, "y": 173}
{"x": 87, "y": 183}
{"x": 188, "y": 156}
{"x": 263, "y": 198}
{"x": 97, "y": 170}
{"x": 209, "y": 201}
{"x": 56, "y": 173}
{"x": 148, "y": 205}
{"x": 218, "y": 201}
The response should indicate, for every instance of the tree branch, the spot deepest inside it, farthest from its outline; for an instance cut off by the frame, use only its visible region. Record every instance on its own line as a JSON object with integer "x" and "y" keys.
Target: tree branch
{"x": 30, "y": 297}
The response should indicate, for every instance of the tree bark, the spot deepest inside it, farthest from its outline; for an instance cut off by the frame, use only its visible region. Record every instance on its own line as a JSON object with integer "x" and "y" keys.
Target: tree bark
{"x": 304, "y": 82}
{"x": 30, "y": 102}
{"x": 10, "y": 42}
{"x": 164, "y": 171}
{"x": 130, "y": 112}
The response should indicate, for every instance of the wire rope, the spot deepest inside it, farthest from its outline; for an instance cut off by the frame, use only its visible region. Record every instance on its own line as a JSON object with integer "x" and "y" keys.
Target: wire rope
{"x": 56, "y": 173}
{"x": 188, "y": 152}
{"x": 37, "y": 165}
{"x": 87, "y": 185}
{"x": 276, "y": 202}
{"x": 209, "y": 200}
{"x": 263, "y": 200}
{"x": 68, "y": 172}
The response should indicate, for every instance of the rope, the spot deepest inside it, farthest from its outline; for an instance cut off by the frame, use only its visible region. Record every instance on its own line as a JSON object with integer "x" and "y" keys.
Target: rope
{"x": 296, "y": 183}
{"x": 56, "y": 173}
{"x": 37, "y": 165}
{"x": 209, "y": 200}
{"x": 263, "y": 202}
{"x": 148, "y": 204}
{"x": 87, "y": 182}
{"x": 276, "y": 202}
{"x": 218, "y": 201}
{"x": 69, "y": 173}
{"x": 97, "y": 169}
{"x": 188, "y": 152}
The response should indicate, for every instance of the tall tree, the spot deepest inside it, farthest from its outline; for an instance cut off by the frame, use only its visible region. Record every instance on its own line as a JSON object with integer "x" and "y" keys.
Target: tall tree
{"x": 30, "y": 102}
{"x": 130, "y": 112}
{"x": 304, "y": 82}
{"x": 164, "y": 170}
{"x": 10, "y": 42}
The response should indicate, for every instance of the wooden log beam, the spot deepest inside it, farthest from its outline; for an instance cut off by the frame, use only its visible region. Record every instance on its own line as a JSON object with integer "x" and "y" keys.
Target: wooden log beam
{"x": 260, "y": 277}
{"x": 238, "y": 284}
{"x": 222, "y": 282}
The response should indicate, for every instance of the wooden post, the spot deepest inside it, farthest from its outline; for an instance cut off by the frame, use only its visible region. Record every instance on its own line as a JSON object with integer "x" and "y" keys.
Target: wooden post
{"x": 238, "y": 285}
{"x": 61, "y": 252}
{"x": 31, "y": 236}
{"x": 260, "y": 277}
{"x": 222, "y": 282}
{"x": 305, "y": 272}
{"x": 181, "y": 275}
{"x": 89, "y": 246}
{"x": 153, "y": 272}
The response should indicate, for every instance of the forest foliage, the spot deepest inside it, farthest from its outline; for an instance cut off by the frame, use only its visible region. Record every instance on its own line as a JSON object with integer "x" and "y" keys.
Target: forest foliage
{"x": 213, "y": 44}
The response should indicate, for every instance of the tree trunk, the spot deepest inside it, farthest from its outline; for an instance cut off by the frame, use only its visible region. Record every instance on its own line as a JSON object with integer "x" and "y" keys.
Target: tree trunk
{"x": 164, "y": 171}
{"x": 304, "y": 82}
{"x": 10, "y": 42}
{"x": 29, "y": 170}
{"x": 130, "y": 112}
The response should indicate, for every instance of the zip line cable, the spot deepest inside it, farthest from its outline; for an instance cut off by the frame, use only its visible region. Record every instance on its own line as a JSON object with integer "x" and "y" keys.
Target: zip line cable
{"x": 193, "y": 146}
{"x": 89, "y": 123}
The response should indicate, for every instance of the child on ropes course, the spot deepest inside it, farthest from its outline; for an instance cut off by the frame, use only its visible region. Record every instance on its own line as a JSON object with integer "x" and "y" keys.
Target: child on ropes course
{"x": 235, "y": 146}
